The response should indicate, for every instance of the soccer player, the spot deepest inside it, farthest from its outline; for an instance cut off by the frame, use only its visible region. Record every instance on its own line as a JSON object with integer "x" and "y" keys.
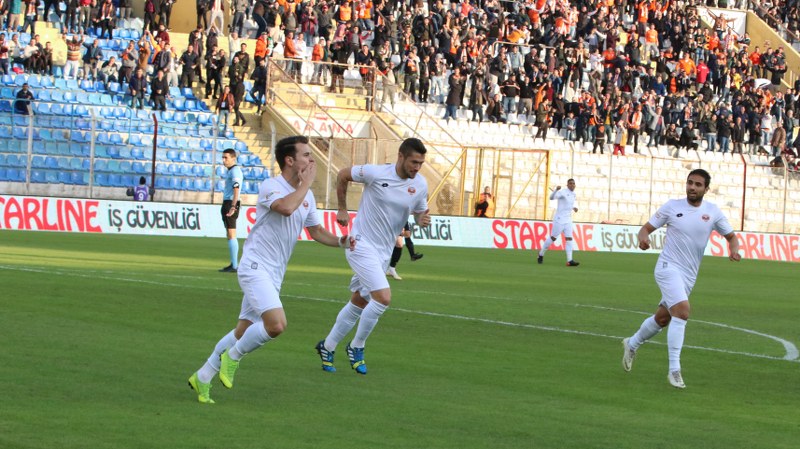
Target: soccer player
{"x": 562, "y": 222}
{"x": 392, "y": 192}
{"x": 285, "y": 206}
{"x": 689, "y": 224}
{"x": 230, "y": 206}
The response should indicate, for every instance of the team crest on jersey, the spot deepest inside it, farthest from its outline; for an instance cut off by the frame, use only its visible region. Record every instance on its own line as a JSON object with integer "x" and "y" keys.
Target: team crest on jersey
{"x": 305, "y": 204}
{"x": 705, "y": 217}
{"x": 412, "y": 190}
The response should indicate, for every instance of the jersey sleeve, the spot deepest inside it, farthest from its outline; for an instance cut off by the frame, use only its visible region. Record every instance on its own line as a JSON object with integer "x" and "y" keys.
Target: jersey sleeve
{"x": 421, "y": 205}
{"x": 364, "y": 174}
{"x": 268, "y": 193}
{"x": 661, "y": 216}
{"x": 313, "y": 217}
{"x": 721, "y": 224}
{"x": 237, "y": 177}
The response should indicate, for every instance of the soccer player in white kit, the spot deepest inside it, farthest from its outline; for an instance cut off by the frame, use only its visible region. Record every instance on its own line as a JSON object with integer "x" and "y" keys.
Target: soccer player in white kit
{"x": 562, "y": 221}
{"x": 285, "y": 206}
{"x": 689, "y": 224}
{"x": 392, "y": 192}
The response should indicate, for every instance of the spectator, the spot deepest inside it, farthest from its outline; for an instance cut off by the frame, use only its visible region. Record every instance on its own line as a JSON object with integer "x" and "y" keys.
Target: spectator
{"x": 224, "y": 106}
{"x": 129, "y": 58}
{"x": 259, "y": 77}
{"x": 188, "y": 65}
{"x": 202, "y": 7}
{"x": 141, "y": 192}
{"x": 73, "y": 57}
{"x": 164, "y": 13}
{"x": 688, "y": 137}
{"x": 239, "y": 9}
{"x": 91, "y": 59}
{"x": 14, "y": 12}
{"x": 23, "y": 103}
{"x": 4, "y": 55}
{"x": 108, "y": 72}
{"x": 159, "y": 91}
{"x": 107, "y": 19}
{"x": 149, "y": 16}
{"x": 29, "y": 15}
{"x": 389, "y": 85}
{"x": 484, "y": 207}
{"x": 124, "y": 8}
{"x": 137, "y": 86}
{"x": 215, "y": 64}
{"x": 620, "y": 138}
{"x": 778, "y": 139}
{"x": 454, "y": 95}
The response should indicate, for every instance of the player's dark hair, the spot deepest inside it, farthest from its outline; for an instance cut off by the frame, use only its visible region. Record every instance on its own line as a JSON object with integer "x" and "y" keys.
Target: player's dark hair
{"x": 412, "y": 145}
{"x": 702, "y": 173}
{"x": 287, "y": 147}
{"x": 570, "y": 179}
{"x": 230, "y": 151}
{"x": 142, "y": 181}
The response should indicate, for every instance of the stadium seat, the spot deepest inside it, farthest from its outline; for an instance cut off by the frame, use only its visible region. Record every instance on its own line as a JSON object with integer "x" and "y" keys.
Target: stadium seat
{"x": 240, "y": 147}
{"x": 87, "y": 85}
{"x": 101, "y": 179}
{"x": 162, "y": 183}
{"x": 80, "y": 111}
{"x": 73, "y": 84}
{"x": 50, "y": 162}
{"x": 115, "y": 139}
{"x": 76, "y": 178}
{"x": 173, "y": 155}
{"x": 171, "y": 143}
{"x": 198, "y": 185}
{"x": 37, "y": 176}
{"x": 4, "y": 174}
{"x": 95, "y": 99}
{"x": 5, "y": 106}
{"x": 115, "y": 180}
{"x": 70, "y": 97}
{"x": 113, "y": 152}
{"x": 99, "y": 87}
{"x": 19, "y": 80}
{"x": 63, "y": 177}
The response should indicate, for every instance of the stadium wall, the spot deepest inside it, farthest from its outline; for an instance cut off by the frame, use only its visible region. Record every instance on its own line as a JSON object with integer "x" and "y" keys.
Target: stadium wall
{"x": 203, "y": 220}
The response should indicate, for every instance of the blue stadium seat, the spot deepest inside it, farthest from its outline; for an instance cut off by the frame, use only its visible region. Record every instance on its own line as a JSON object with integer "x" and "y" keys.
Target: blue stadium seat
{"x": 170, "y": 142}
{"x": 78, "y": 136}
{"x": 20, "y": 133}
{"x": 186, "y": 183}
{"x": 106, "y": 125}
{"x": 105, "y": 99}
{"x": 76, "y": 178}
{"x": 115, "y": 180}
{"x": 95, "y": 99}
{"x": 49, "y": 162}
{"x": 180, "y": 117}
{"x": 37, "y": 176}
{"x": 99, "y": 87}
{"x": 4, "y": 174}
{"x": 75, "y": 163}
{"x": 240, "y": 147}
{"x": 69, "y": 97}
{"x": 199, "y": 185}
{"x": 63, "y": 177}
{"x": 8, "y": 93}
{"x": 113, "y": 152}
{"x": 137, "y": 167}
{"x": 113, "y": 166}
{"x": 46, "y": 82}
{"x": 162, "y": 169}
{"x": 100, "y": 165}
{"x": 44, "y": 95}
{"x": 125, "y": 166}
{"x": 189, "y": 93}
{"x": 80, "y": 111}
{"x": 33, "y": 81}
{"x": 87, "y": 85}
{"x": 42, "y": 108}
{"x": 167, "y": 116}
{"x": 219, "y": 186}
{"x": 8, "y": 80}
{"x": 220, "y": 171}
{"x": 82, "y": 98}
{"x": 51, "y": 177}
{"x": 197, "y": 157}
{"x": 12, "y": 160}
{"x": 186, "y": 170}
{"x": 174, "y": 183}
{"x": 61, "y": 84}
{"x": 73, "y": 84}
{"x": 174, "y": 169}
{"x": 115, "y": 139}
{"x": 179, "y": 104}
{"x": 19, "y": 80}
{"x": 173, "y": 155}
{"x": 5, "y": 106}
{"x": 113, "y": 87}
{"x": 162, "y": 183}
{"x": 101, "y": 179}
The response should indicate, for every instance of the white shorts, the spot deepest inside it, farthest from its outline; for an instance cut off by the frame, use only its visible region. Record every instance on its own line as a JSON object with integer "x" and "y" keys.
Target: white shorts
{"x": 675, "y": 288}
{"x": 370, "y": 269}
{"x": 261, "y": 293}
{"x": 558, "y": 228}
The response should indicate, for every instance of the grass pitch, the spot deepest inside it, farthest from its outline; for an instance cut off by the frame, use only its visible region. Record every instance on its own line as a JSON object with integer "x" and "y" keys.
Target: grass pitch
{"x": 481, "y": 348}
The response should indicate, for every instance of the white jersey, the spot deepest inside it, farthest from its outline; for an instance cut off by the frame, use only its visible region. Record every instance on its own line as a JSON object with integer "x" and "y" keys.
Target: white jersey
{"x": 387, "y": 202}
{"x": 566, "y": 201}
{"x": 272, "y": 238}
{"x": 688, "y": 230}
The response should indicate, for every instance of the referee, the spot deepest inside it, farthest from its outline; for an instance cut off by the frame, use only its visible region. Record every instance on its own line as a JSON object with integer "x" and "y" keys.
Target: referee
{"x": 230, "y": 206}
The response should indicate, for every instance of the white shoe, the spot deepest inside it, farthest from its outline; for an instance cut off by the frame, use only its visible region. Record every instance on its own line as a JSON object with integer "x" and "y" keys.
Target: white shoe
{"x": 628, "y": 355}
{"x": 675, "y": 379}
{"x": 393, "y": 273}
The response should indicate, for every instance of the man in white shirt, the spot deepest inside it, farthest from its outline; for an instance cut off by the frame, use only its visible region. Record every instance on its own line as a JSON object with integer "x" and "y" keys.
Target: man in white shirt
{"x": 392, "y": 192}
{"x": 285, "y": 206}
{"x": 562, "y": 221}
{"x": 689, "y": 224}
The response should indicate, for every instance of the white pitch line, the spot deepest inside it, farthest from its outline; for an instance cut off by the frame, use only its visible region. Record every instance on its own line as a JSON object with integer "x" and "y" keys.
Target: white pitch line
{"x": 424, "y": 313}
{"x": 792, "y": 353}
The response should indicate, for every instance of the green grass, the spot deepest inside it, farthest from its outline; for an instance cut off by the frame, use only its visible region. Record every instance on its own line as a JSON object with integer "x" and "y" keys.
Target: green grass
{"x": 100, "y": 333}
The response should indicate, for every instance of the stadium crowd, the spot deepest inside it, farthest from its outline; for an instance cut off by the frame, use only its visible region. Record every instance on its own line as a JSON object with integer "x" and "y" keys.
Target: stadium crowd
{"x": 597, "y": 71}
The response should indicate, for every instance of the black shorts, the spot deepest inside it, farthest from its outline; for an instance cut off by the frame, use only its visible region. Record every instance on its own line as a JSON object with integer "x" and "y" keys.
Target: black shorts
{"x": 230, "y": 222}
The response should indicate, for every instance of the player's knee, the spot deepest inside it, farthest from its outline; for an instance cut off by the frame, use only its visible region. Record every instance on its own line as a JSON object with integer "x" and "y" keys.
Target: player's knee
{"x": 276, "y": 328}
{"x": 663, "y": 321}
{"x": 384, "y": 297}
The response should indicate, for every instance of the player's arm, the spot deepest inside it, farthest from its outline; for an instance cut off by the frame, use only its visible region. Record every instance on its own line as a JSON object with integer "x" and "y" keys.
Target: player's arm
{"x": 554, "y": 195}
{"x": 343, "y": 180}
{"x": 644, "y": 236}
{"x": 733, "y": 247}
{"x": 288, "y": 204}
{"x": 327, "y": 238}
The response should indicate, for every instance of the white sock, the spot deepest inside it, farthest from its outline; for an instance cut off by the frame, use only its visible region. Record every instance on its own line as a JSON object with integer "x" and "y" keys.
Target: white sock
{"x": 568, "y": 249}
{"x": 254, "y": 337}
{"x": 369, "y": 319}
{"x": 547, "y": 242}
{"x": 211, "y": 367}
{"x": 345, "y": 322}
{"x": 677, "y": 328}
{"x": 647, "y": 331}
